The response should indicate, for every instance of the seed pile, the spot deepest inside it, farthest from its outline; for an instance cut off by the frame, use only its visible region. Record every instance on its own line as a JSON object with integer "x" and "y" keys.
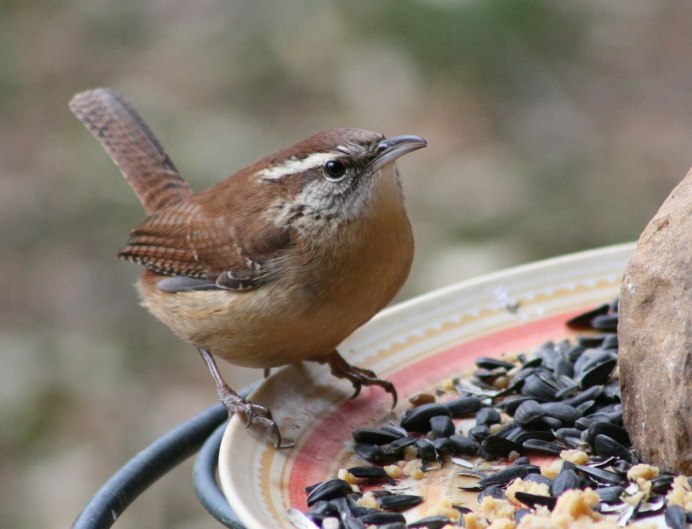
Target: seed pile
{"x": 561, "y": 400}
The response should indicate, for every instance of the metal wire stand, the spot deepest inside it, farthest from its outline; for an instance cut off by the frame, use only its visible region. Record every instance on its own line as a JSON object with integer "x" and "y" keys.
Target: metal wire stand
{"x": 204, "y": 430}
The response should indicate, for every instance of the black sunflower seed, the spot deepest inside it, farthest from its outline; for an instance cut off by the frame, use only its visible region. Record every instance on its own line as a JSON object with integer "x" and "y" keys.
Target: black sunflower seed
{"x": 395, "y": 450}
{"x": 504, "y": 476}
{"x": 493, "y": 363}
{"x": 430, "y": 522}
{"x": 479, "y": 432}
{"x": 611, "y": 391}
{"x": 563, "y": 367}
{"x": 441, "y": 425}
{"x": 567, "y": 479}
{"x": 510, "y": 405}
{"x": 418, "y": 419}
{"x": 559, "y": 410}
{"x": 610, "y": 341}
{"x": 539, "y": 478}
{"x": 662, "y": 484}
{"x": 588, "y": 394}
{"x": 601, "y": 476}
{"x": 623, "y": 466}
{"x": 528, "y": 412}
{"x": 484, "y": 374}
{"x": 562, "y": 433}
{"x": 464, "y": 406}
{"x": 371, "y": 473}
{"x": 542, "y": 447}
{"x": 586, "y": 406}
{"x": 592, "y": 357}
{"x": 551, "y": 422}
{"x": 583, "y": 423}
{"x": 493, "y": 492}
{"x": 359, "y": 512}
{"x": 462, "y": 445}
{"x": 532, "y": 500}
{"x": 607, "y": 446}
{"x": 605, "y": 322}
{"x": 610, "y": 494}
{"x": 372, "y": 453}
{"x": 675, "y": 517}
{"x": 614, "y": 417}
{"x": 539, "y": 387}
{"x": 488, "y": 416}
{"x": 375, "y": 436}
{"x": 321, "y": 508}
{"x": 426, "y": 450}
{"x": 399, "y": 502}
{"x": 574, "y": 352}
{"x": 611, "y": 430}
{"x": 442, "y": 445}
{"x": 583, "y": 321}
{"x": 327, "y": 490}
{"x": 394, "y": 429}
{"x": 344, "y": 509}
{"x": 498, "y": 446}
{"x": 597, "y": 374}
{"x": 591, "y": 341}
{"x": 382, "y": 518}
{"x": 519, "y": 435}
{"x": 567, "y": 391}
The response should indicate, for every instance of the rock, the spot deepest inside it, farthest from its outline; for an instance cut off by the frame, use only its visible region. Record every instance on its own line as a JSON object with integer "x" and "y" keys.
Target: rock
{"x": 655, "y": 336}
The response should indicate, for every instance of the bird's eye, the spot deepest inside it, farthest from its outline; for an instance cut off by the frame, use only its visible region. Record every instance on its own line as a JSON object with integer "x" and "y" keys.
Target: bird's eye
{"x": 334, "y": 170}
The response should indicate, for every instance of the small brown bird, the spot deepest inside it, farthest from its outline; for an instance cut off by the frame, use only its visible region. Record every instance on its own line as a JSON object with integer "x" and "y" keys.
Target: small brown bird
{"x": 274, "y": 265}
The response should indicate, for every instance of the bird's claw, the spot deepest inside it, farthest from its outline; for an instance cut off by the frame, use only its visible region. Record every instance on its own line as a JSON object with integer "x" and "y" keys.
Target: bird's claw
{"x": 358, "y": 376}
{"x": 256, "y": 414}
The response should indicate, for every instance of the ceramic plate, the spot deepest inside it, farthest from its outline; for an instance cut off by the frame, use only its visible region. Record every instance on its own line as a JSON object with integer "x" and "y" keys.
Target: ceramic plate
{"x": 416, "y": 345}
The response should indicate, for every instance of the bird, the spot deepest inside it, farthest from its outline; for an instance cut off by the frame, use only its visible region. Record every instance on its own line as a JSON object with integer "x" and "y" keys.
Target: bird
{"x": 274, "y": 265}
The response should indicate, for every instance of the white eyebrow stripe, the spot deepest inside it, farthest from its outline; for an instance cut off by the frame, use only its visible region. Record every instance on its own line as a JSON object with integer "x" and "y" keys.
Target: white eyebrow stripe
{"x": 291, "y": 166}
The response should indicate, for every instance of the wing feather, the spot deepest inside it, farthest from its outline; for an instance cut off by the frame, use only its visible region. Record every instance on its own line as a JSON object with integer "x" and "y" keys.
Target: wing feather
{"x": 185, "y": 240}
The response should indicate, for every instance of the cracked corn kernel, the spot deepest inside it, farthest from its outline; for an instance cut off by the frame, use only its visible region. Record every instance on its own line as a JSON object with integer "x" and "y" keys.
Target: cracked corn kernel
{"x": 448, "y": 384}
{"x": 681, "y": 494}
{"x": 413, "y": 469}
{"x": 642, "y": 471}
{"x": 578, "y": 457}
{"x": 393, "y": 471}
{"x": 347, "y": 476}
{"x": 473, "y": 521}
{"x": 410, "y": 453}
{"x": 494, "y": 509}
{"x": 551, "y": 471}
{"x": 502, "y": 523}
{"x": 367, "y": 500}
{"x": 444, "y": 508}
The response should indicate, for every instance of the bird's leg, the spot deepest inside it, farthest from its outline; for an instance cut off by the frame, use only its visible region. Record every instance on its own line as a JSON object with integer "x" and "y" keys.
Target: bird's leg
{"x": 236, "y": 404}
{"x": 358, "y": 376}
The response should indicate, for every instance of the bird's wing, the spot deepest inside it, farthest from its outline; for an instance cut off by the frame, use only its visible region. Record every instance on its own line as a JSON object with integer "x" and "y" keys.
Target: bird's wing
{"x": 185, "y": 240}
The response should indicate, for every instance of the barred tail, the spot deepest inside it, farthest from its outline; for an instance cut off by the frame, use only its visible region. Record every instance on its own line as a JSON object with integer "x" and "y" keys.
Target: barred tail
{"x": 132, "y": 146}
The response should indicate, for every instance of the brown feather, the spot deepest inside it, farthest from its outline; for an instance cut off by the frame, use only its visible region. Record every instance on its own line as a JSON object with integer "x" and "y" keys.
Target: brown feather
{"x": 132, "y": 146}
{"x": 220, "y": 229}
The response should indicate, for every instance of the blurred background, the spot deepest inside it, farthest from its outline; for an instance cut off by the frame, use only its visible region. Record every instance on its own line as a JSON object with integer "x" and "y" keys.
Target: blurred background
{"x": 553, "y": 127}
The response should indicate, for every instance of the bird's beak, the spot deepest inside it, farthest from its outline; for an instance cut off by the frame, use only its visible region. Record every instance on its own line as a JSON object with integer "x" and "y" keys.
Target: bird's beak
{"x": 390, "y": 149}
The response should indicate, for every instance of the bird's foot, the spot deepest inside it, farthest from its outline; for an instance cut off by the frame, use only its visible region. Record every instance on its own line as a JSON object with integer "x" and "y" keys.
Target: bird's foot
{"x": 358, "y": 376}
{"x": 254, "y": 414}
{"x": 234, "y": 403}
